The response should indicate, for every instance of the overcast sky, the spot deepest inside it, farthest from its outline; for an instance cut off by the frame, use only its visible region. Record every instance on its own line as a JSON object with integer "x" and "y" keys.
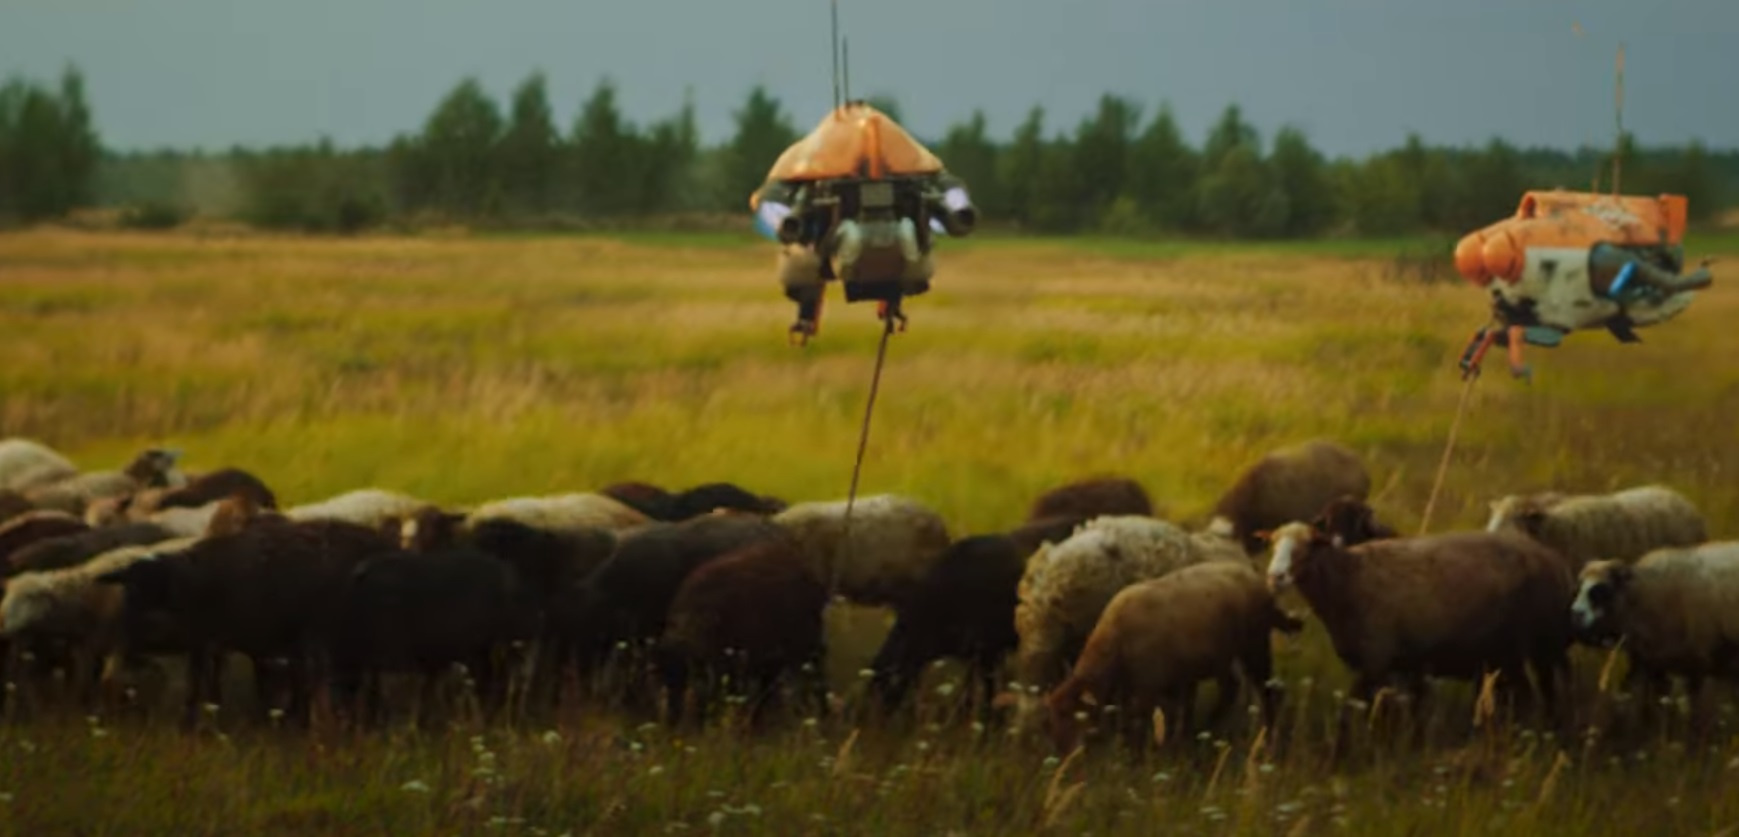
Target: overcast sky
{"x": 1355, "y": 74}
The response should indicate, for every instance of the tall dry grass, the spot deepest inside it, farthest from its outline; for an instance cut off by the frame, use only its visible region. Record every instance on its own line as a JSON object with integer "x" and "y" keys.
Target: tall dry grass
{"x": 461, "y": 369}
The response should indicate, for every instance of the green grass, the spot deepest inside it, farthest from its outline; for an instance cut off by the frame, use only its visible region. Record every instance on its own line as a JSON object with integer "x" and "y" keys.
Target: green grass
{"x": 464, "y": 368}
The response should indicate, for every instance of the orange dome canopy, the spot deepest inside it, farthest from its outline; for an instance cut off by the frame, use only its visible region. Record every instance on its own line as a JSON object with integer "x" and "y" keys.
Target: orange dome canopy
{"x": 855, "y": 140}
{"x": 1559, "y": 219}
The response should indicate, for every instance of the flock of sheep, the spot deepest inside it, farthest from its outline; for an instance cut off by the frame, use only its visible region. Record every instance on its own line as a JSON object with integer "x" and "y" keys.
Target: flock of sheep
{"x": 1098, "y": 600}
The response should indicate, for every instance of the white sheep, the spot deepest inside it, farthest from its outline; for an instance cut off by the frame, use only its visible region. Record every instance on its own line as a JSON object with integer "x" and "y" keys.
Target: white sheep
{"x": 894, "y": 541}
{"x": 1066, "y": 587}
{"x": 1677, "y": 610}
{"x": 26, "y": 464}
{"x": 364, "y": 507}
{"x": 1624, "y": 525}
{"x": 561, "y": 513}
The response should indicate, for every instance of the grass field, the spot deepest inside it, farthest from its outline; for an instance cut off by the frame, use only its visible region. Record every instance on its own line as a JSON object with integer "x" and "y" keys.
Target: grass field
{"x": 461, "y": 369}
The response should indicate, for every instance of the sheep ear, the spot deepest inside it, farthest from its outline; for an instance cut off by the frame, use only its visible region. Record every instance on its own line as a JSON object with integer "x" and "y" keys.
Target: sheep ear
{"x": 1264, "y": 535}
{"x": 1621, "y": 575}
{"x": 1338, "y": 542}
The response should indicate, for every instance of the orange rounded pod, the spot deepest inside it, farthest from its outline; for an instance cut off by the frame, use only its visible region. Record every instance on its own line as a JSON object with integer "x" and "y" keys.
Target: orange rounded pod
{"x": 1470, "y": 259}
{"x": 1502, "y": 253}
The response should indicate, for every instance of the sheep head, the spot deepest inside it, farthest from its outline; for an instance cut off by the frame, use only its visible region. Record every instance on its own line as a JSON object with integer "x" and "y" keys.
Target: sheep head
{"x": 1293, "y": 545}
{"x": 156, "y": 468}
{"x": 1525, "y": 513}
{"x": 1592, "y": 613}
{"x": 1348, "y": 521}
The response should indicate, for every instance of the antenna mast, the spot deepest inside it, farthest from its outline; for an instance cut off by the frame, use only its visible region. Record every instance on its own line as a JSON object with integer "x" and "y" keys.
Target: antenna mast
{"x": 845, "y": 65}
{"x": 836, "y": 100}
{"x": 1618, "y": 101}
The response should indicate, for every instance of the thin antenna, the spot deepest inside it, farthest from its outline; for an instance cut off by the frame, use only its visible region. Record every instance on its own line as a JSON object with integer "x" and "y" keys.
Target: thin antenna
{"x": 845, "y": 65}
{"x": 836, "y": 99}
{"x": 1618, "y": 101}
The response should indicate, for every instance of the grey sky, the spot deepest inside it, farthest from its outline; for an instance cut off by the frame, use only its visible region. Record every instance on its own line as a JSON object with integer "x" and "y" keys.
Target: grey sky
{"x": 1355, "y": 74}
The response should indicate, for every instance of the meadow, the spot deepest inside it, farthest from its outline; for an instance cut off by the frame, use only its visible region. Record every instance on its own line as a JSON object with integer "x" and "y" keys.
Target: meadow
{"x": 461, "y": 368}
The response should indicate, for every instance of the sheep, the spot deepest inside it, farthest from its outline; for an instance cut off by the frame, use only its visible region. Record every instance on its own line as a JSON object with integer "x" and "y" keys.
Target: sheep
{"x": 644, "y": 497}
{"x": 551, "y": 557}
{"x": 751, "y": 616}
{"x": 78, "y": 547}
{"x": 423, "y": 612}
{"x": 660, "y": 504}
{"x": 1066, "y": 586}
{"x": 207, "y": 488}
{"x": 69, "y": 604}
{"x": 894, "y": 541}
{"x": 1676, "y": 609}
{"x": 1288, "y": 484}
{"x": 1093, "y": 497}
{"x": 26, "y": 464}
{"x": 267, "y": 591}
{"x": 363, "y": 507}
{"x": 28, "y": 528}
{"x": 1158, "y": 639}
{"x": 152, "y": 468}
{"x": 562, "y": 512}
{"x": 1624, "y": 525}
{"x": 708, "y": 497}
{"x": 624, "y": 602}
{"x": 1453, "y": 605}
{"x": 964, "y": 609}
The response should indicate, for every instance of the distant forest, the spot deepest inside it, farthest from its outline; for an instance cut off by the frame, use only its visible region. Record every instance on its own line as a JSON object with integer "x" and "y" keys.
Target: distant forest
{"x": 1124, "y": 170}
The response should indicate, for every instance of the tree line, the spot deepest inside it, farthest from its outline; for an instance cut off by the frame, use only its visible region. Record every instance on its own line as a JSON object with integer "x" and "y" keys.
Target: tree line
{"x": 1120, "y": 170}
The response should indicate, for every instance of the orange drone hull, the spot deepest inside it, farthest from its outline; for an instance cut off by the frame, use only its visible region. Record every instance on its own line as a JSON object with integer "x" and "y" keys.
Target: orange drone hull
{"x": 855, "y": 140}
{"x": 1560, "y": 219}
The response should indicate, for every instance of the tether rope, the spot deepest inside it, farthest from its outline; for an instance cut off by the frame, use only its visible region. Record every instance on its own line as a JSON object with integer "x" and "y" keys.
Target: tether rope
{"x": 862, "y": 445}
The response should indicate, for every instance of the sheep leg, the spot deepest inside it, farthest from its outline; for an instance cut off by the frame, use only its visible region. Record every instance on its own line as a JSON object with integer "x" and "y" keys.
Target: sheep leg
{"x": 1364, "y": 689}
{"x": 764, "y": 682}
{"x": 1549, "y": 665}
{"x": 1697, "y": 693}
{"x": 674, "y": 668}
{"x": 298, "y": 675}
{"x": 202, "y": 675}
{"x": 1258, "y": 668}
{"x": 1226, "y": 689}
{"x": 985, "y": 668}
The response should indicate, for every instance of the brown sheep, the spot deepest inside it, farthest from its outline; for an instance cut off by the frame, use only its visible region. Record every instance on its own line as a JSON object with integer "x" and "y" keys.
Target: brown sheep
{"x": 644, "y": 497}
{"x": 753, "y": 616}
{"x": 1293, "y": 483}
{"x": 1454, "y": 605}
{"x": 1093, "y": 497}
{"x": 1159, "y": 639}
{"x": 26, "y": 529}
{"x": 216, "y": 485}
{"x": 268, "y": 591}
